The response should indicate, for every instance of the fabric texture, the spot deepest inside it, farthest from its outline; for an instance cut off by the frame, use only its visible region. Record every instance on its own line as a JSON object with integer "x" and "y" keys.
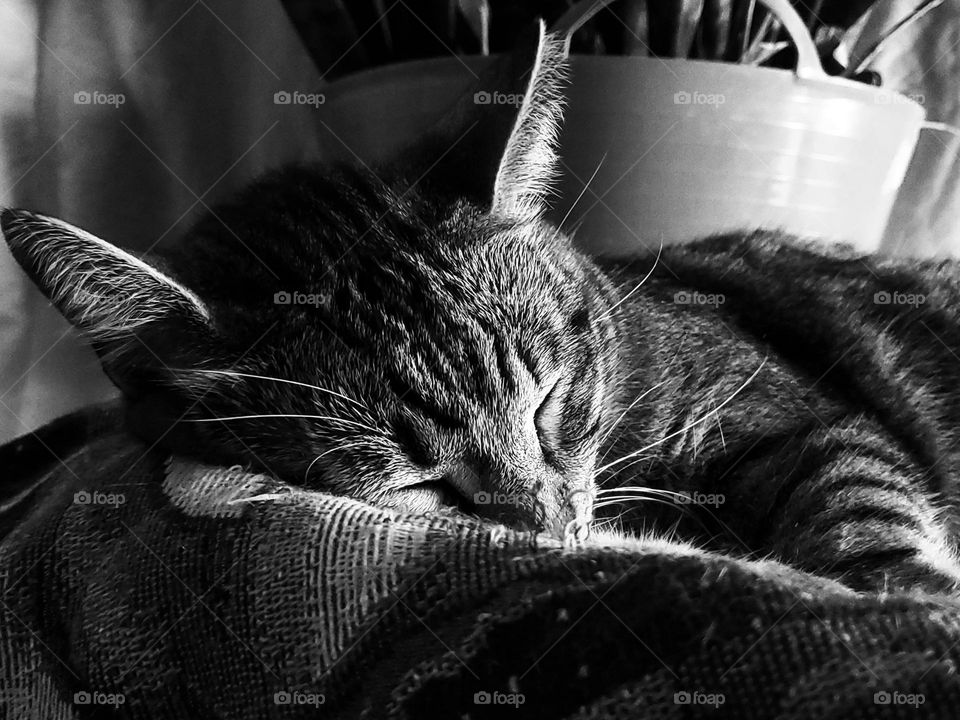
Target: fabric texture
{"x": 136, "y": 585}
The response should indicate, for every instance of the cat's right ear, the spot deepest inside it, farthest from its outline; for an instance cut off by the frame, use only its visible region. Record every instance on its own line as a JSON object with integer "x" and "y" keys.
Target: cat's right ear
{"x": 496, "y": 145}
{"x": 107, "y": 293}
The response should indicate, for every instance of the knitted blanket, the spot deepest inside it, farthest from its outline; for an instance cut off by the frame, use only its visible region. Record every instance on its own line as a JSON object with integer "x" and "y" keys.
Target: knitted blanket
{"x": 136, "y": 585}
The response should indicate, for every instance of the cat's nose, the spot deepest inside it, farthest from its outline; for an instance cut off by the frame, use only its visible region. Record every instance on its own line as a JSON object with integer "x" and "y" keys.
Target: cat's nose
{"x": 578, "y": 501}
{"x": 520, "y": 498}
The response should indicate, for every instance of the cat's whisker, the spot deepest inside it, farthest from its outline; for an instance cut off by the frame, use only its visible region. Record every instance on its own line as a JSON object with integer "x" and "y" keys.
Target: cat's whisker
{"x": 636, "y": 287}
{"x": 623, "y": 468}
{"x": 640, "y": 490}
{"x": 329, "y": 418}
{"x": 684, "y": 429}
{"x": 635, "y": 497}
{"x": 630, "y": 407}
{"x": 611, "y": 446}
{"x": 633, "y": 491}
{"x": 582, "y": 193}
{"x": 234, "y": 373}
{"x": 344, "y": 446}
{"x": 576, "y": 228}
{"x": 684, "y": 507}
{"x": 723, "y": 440}
{"x": 632, "y": 488}
{"x": 630, "y": 504}
{"x": 623, "y": 501}
{"x": 622, "y": 383}
{"x": 615, "y": 523}
{"x": 670, "y": 366}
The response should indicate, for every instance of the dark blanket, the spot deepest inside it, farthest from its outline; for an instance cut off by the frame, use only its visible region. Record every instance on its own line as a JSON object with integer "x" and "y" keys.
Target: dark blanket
{"x": 136, "y": 585}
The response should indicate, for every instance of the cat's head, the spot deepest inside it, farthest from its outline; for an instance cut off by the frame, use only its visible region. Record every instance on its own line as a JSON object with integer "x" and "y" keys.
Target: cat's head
{"x": 416, "y": 337}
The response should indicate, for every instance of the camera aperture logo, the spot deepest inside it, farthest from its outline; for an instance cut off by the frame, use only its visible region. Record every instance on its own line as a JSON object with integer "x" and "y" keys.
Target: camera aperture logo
{"x": 295, "y": 97}
{"x": 893, "y": 697}
{"x": 96, "y": 97}
{"x": 695, "y": 97}
{"x": 298, "y": 298}
{"x": 85, "y": 697}
{"x": 898, "y": 298}
{"x": 692, "y": 297}
{"x": 84, "y": 497}
{"x": 496, "y": 697}
{"x": 497, "y": 98}
{"x": 685, "y": 697}
{"x": 296, "y": 697}
{"x": 699, "y": 498}
{"x": 495, "y": 498}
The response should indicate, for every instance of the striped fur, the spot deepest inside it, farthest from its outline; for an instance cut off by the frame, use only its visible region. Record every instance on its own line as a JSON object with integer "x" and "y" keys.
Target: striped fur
{"x": 840, "y": 457}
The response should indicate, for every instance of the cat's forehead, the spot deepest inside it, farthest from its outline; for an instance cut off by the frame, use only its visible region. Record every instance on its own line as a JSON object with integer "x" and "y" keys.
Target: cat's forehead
{"x": 361, "y": 244}
{"x": 408, "y": 235}
{"x": 476, "y": 260}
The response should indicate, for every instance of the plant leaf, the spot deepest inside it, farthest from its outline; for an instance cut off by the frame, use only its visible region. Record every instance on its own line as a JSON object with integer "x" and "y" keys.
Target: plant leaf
{"x": 714, "y": 29}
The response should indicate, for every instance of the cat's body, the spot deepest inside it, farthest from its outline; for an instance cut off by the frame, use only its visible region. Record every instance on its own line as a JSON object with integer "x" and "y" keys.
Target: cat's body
{"x": 807, "y": 405}
{"x": 420, "y": 338}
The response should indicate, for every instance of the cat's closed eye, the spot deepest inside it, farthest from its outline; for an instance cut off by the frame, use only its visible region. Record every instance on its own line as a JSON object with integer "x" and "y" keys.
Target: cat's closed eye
{"x": 555, "y": 434}
{"x": 547, "y": 421}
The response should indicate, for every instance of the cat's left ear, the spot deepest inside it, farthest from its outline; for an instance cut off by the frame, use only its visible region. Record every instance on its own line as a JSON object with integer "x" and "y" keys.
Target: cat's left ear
{"x": 497, "y": 145}
{"x": 101, "y": 289}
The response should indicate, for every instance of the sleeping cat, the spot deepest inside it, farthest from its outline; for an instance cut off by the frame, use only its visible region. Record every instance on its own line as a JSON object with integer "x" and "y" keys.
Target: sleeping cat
{"x": 419, "y": 337}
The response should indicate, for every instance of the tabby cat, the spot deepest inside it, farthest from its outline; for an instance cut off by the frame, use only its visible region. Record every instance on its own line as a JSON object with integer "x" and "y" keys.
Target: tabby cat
{"x": 419, "y": 337}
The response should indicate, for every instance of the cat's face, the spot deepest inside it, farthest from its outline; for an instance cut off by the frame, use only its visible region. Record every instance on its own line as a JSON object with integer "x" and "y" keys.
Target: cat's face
{"x": 461, "y": 358}
{"x": 412, "y": 346}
